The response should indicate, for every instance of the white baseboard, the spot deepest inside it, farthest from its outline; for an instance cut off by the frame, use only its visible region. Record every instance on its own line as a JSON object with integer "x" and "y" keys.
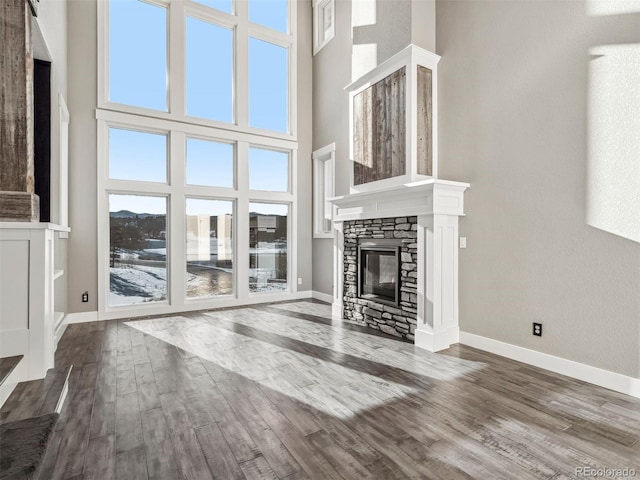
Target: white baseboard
{"x": 597, "y": 376}
{"x": 324, "y": 297}
{"x": 81, "y": 317}
{"x": 84, "y": 317}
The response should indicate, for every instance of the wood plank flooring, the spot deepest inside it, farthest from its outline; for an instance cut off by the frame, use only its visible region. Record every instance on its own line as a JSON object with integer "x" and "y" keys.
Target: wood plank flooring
{"x": 280, "y": 391}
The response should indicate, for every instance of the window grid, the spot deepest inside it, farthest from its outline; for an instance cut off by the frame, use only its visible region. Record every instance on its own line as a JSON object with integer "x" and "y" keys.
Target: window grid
{"x": 179, "y": 127}
{"x": 243, "y": 29}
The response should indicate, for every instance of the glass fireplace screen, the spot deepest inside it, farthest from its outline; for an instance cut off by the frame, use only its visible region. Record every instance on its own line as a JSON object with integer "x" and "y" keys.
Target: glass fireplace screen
{"x": 379, "y": 273}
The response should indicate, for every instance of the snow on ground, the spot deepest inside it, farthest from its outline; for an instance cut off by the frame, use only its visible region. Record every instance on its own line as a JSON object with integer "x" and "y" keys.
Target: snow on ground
{"x": 140, "y": 284}
{"x": 137, "y": 284}
{"x": 157, "y": 251}
{"x": 116, "y": 300}
{"x": 267, "y": 287}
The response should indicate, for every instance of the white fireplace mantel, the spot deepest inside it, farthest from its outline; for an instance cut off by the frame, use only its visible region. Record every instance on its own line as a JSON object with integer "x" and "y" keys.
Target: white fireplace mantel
{"x": 427, "y": 197}
{"x": 437, "y": 205}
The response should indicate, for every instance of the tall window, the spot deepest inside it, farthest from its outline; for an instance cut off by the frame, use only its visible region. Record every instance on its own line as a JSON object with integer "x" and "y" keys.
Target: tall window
{"x": 138, "y": 54}
{"x": 197, "y": 151}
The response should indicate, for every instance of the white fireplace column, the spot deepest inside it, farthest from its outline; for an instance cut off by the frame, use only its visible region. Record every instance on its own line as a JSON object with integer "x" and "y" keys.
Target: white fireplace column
{"x": 437, "y": 319}
{"x": 437, "y": 205}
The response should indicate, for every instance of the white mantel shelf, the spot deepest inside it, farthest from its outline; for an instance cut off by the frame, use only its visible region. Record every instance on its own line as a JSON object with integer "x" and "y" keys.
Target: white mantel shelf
{"x": 427, "y": 197}
{"x": 437, "y": 204}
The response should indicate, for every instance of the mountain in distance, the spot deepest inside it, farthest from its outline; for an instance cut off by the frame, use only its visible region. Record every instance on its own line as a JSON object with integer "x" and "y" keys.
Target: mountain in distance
{"x": 129, "y": 214}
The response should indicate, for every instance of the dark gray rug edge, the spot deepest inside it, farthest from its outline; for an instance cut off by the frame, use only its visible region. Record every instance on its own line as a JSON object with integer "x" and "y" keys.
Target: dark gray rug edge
{"x": 23, "y": 445}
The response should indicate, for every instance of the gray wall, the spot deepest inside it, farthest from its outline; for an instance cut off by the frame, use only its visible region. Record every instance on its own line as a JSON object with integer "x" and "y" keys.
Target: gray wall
{"x": 82, "y": 101}
{"x": 305, "y": 107}
{"x": 331, "y": 73}
{"x": 515, "y": 122}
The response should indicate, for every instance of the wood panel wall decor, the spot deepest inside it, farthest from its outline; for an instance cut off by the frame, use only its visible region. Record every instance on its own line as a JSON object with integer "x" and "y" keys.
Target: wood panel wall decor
{"x": 393, "y": 126}
{"x": 17, "y": 200}
{"x": 379, "y": 120}
{"x": 424, "y": 137}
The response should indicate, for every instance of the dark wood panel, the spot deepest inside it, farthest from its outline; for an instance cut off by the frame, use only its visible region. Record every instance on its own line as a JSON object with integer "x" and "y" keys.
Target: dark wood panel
{"x": 282, "y": 391}
{"x": 379, "y": 130}
{"x": 16, "y": 97}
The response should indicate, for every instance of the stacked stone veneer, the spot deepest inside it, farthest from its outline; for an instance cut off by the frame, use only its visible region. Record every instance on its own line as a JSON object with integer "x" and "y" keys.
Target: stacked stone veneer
{"x": 399, "y": 321}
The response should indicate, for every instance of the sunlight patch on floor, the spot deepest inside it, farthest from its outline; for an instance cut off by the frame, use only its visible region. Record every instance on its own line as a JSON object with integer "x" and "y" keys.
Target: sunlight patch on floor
{"x": 322, "y": 367}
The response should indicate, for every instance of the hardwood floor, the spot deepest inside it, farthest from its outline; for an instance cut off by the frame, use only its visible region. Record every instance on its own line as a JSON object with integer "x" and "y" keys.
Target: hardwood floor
{"x": 280, "y": 392}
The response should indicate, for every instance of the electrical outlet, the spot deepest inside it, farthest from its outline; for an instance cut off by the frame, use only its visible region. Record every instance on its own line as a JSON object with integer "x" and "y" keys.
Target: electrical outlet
{"x": 537, "y": 329}
{"x": 85, "y": 297}
{"x": 299, "y": 281}
{"x": 463, "y": 242}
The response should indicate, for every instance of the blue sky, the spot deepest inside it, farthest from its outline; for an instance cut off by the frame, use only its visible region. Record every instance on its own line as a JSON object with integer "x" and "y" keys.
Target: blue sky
{"x": 138, "y": 77}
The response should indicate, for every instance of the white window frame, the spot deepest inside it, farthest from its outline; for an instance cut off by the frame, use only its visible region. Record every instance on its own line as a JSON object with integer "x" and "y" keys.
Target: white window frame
{"x": 177, "y": 11}
{"x": 179, "y": 126}
{"x": 322, "y": 33}
{"x": 62, "y": 184}
{"x": 323, "y": 188}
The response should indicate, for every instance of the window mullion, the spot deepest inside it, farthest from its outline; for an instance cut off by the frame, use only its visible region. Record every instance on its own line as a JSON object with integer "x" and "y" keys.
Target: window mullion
{"x": 176, "y": 220}
{"x": 241, "y": 90}
{"x": 176, "y": 61}
{"x": 242, "y": 221}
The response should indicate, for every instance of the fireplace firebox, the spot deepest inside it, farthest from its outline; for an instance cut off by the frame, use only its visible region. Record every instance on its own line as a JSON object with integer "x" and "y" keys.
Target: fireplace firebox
{"x": 379, "y": 270}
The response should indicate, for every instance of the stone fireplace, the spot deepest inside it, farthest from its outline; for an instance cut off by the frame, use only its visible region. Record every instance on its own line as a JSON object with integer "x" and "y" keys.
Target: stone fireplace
{"x": 424, "y": 217}
{"x": 396, "y": 232}
{"x": 380, "y": 274}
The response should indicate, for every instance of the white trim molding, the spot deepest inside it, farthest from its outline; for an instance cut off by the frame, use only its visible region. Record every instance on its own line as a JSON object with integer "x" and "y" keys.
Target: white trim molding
{"x": 586, "y": 373}
{"x": 323, "y": 297}
{"x": 94, "y": 316}
{"x": 324, "y": 23}
{"x": 81, "y": 317}
{"x": 323, "y": 189}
